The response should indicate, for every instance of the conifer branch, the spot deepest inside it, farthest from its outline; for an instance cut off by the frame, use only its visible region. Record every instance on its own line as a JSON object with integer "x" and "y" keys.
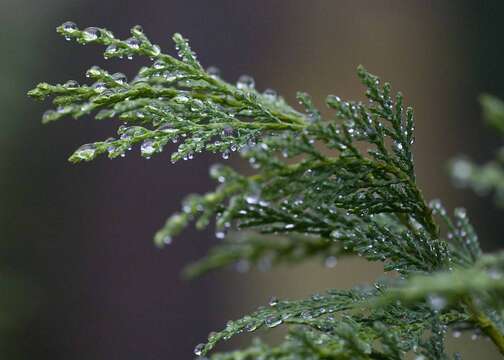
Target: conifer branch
{"x": 324, "y": 187}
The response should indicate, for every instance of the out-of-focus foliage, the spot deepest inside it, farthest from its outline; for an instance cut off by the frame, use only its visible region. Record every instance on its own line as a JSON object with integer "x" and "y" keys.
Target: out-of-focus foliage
{"x": 489, "y": 177}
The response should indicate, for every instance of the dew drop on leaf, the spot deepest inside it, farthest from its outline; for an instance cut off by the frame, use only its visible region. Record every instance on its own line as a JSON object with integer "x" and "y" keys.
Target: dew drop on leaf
{"x": 69, "y": 26}
{"x": 245, "y": 82}
{"x": 91, "y": 34}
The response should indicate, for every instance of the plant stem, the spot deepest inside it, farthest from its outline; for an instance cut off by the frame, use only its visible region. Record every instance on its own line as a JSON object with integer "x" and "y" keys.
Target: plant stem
{"x": 487, "y": 325}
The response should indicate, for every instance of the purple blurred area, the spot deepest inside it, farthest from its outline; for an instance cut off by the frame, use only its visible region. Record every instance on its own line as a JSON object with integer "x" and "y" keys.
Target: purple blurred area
{"x": 81, "y": 278}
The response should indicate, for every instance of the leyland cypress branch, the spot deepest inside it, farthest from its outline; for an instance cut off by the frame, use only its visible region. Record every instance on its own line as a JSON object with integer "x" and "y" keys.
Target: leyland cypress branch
{"x": 299, "y": 202}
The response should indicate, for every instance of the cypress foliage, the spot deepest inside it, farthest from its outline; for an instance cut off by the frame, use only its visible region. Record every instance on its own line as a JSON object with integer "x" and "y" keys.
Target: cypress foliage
{"x": 320, "y": 187}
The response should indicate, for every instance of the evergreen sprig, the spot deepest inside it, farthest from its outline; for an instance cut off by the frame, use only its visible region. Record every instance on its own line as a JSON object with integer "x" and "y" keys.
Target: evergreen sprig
{"x": 319, "y": 186}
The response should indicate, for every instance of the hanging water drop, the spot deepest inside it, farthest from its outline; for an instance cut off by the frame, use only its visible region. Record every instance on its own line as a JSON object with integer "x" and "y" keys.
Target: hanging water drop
{"x": 225, "y": 155}
{"x": 181, "y": 99}
{"x": 398, "y": 146}
{"x": 99, "y": 87}
{"x": 437, "y": 207}
{"x": 155, "y": 50}
{"x": 273, "y": 321}
{"x": 245, "y": 82}
{"x": 214, "y": 72}
{"x": 69, "y": 27}
{"x": 270, "y": 95}
{"x": 336, "y": 234}
{"x": 460, "y": 213}
{"x": 436, "y": 302}
{"x": 70, "y": 84}
{"x": 90, "y": 34}
{"x": 462, "y": 170}
{"x": 110, "y": 50}
{"x": 137, "y": 29}
{"x": 119, "y": 78}
{"x": 198, "y": 350}
{"x": 158, "y": 64}
{"x": 93, "y": 71}
{"x": 133, "y": 43}
{"x": 273, "y": 301}
{"x": 167, "y": 240}
{"x": 251, "y": 326}
{"x": 307, "y": 315}
{"x": 86, "y": 152}
{"x": 147, "y": 148}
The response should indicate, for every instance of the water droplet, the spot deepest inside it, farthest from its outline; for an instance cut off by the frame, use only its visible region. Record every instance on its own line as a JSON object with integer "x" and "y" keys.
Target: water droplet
{"x": 198, "y": 350}
{"x": 147, "y": 148}
{"x": 155, "y": 50}
{"x": 138, "y": 28}
{"x": 225, "y": 154}
{"x": 159, "y": 64}
{"x": 398, "y": 146}
{"x": 245, "y": 82}
{"x": 111, "y": 49}
{"x": 181, "y": 99}
{"x": 330, "y": 262}
{"x": 167, "y": 240}
{"x": 307, "y": 315}
{"x": 436, "y": 302}
{"x": 437, "y": 207}
{"x": 133, "y": 43}
{"x": 273, "y": 301}
{"x": 252, "y": 326}
{"x": 91, "y": 34}
{"x": 213, "y": 72}
{"x": 86, "y": 152}
{"x": 71, "y": 84}
{"x": 462, "y": 170}
{"x": 99, "y": 87}
{"x": 270, "y": 95}
{"x": 120, "y": 78}
{"x": 252, "y": 199}
{"x": 336, "y": 234}
{"x": 273, "y": 321}
{"x": 69, "y": 27}
{"x": 93, "y": 71}
{"x": 460, "y": 213}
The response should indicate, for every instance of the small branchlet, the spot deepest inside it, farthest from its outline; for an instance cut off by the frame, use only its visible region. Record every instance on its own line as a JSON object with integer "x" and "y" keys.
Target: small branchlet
{"x": 325, "y": 187}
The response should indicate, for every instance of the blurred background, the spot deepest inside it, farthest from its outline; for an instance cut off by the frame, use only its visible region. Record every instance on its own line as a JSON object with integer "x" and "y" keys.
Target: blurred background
{"x": 79, "y": 275}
